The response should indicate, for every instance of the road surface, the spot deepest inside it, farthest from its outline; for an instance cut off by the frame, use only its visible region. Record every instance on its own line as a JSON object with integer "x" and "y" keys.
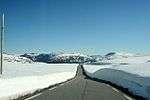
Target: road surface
{"x": 81, "y": 88}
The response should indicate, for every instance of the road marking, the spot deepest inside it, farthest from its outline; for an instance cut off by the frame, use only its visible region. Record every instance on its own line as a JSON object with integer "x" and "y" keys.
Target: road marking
{"x": 114, "y": 89}
{"x": 33, "y": 96}
{"x": 52, "y": 88}
{"x": 57, "y": 86}
{"x": 41, "y": 93}
{"x": 127, "y": 97}
{"x": 107, "y": 85}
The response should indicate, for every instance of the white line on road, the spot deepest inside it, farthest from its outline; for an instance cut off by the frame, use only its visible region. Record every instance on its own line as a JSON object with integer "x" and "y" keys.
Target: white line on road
{"x": 127, "y": 97}
{"x": 114, "y": 89}
{"x": 41, "y": 93}
{"x": 52, "y": 88}
{"x": 33, "y": 96}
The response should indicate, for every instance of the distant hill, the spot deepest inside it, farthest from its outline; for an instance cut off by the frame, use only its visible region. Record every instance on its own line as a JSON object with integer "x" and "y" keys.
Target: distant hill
{"x": 112, "y": 57}
{"x": 58, "y": 58}
{"x": 15, "y": 58}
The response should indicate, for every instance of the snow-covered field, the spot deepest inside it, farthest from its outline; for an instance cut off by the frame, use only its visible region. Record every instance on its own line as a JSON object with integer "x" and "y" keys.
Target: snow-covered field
{"x": 20, "y": 78}
{"x": 135, "y": 75}
{"x": 132, "y": 59}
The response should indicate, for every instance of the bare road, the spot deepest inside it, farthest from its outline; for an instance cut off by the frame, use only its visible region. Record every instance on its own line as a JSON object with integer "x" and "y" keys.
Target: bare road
{"x": 81, "y": 88}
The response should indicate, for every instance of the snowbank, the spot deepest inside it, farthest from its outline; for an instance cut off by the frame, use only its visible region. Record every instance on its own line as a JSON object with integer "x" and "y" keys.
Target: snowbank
{"x": 135, "y": 77}
{"x": 19, "y": 79}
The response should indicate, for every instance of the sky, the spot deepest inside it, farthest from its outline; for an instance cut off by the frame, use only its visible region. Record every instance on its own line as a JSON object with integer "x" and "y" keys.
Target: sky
{"x": 86, "y": 26}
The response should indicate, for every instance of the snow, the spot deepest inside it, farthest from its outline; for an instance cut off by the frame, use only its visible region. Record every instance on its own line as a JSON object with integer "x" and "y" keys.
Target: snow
{"x": 135, "y": 75}
{"x": 14, "y": 58}
{"x": 94, "y": 68}
{"x": 124, "y": 54}
{"x": 72, "y": 54}
{"x": 22, "y": 78}
{"x": 57, "y": 58}
{"x": 129, "y": 59}
{"x": 142, "y": 69}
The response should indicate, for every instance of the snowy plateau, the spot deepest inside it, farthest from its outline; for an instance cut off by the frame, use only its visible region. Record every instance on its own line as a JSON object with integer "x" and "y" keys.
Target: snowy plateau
{"x": 22, "y": 76}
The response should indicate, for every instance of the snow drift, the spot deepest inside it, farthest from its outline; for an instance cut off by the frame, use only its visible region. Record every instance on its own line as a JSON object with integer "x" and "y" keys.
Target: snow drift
{"x": 136, "y": 77}
{"x": 21, "y": 77}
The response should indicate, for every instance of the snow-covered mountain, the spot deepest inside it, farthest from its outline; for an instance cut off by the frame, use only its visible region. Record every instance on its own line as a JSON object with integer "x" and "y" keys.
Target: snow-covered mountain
{"x": 96, "y": 58}
{"x": 39, "y": 57}
{"x": 112, "y": 57}
{"x": 71, "y": 58}
{"x": 125, "y": 58}
{"x": 15, "y": 58}
{"x": 30, "y": 56}
{"x": 58, "y": 58}
{"x": 115, "y": 55}
{"x": 53, "y": 58}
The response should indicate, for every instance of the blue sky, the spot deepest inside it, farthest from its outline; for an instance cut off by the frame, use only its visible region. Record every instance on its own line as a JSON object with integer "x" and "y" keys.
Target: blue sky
{"x": 86, "y": 26}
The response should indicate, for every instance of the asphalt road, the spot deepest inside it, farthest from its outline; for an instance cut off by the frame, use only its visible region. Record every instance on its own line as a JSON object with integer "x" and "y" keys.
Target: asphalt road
{"x": 81, "y": 88}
